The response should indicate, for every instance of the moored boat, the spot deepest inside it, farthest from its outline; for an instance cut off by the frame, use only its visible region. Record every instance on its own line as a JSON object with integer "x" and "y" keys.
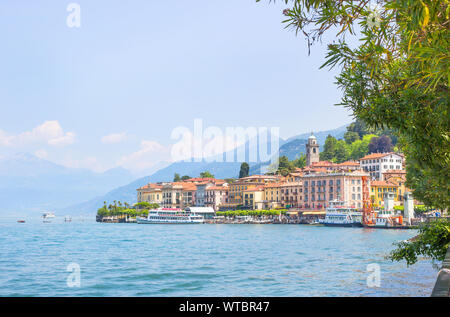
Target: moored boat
{"x": 47, "y": 217}
{"x": 169, "y": 216}
{"x": 386, "y": 219}
{"x": 315, "y": 222}
{"x": 338, "y": 215}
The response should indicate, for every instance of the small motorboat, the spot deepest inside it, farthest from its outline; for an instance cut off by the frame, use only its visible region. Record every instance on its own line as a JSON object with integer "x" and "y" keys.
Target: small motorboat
{"x": 315, "y": 222}
{"x": 21, "y": 221}
{"x": 47, "y": 217}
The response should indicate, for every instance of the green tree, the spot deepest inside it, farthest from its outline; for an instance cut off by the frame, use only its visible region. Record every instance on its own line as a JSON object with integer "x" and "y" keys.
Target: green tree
{"x": 176, "y": 177}
{"x": 185, "y": 177}
{"x": 342, "y": 152}
{"x": 359, "y": 127}
{"x": 245, "y": 168}
{"x": 154, "y": 206}
{"x": 285, "y": 166}
{"x": 329, "y": 149}
{"x": 102, "y": 212}
{"x": 206, "y": 174}
{"x": 351, "y": 136}
{"x": 432, "y": 241}
{"x": 360, "y": 148}
{"x": 396, "y": 77}
{"x": 143, "y": 204}
{"x": 382, "y": 144}
{"x": 301, "y": 161}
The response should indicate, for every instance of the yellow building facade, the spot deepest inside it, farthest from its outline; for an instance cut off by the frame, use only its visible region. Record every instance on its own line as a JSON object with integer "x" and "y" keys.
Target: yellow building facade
{"x": 253, "y": 197}
{"x": 236, "y": 189}
{"x": 151, "y": 193}
{"x": 379, "y": 188}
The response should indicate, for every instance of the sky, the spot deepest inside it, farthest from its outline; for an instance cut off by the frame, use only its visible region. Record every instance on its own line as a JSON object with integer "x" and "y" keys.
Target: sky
{"x": 111, "y": 92}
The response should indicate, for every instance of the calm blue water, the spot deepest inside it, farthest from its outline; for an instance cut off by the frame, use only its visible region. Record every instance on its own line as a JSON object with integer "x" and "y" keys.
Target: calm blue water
{"x": 203, "y": 260}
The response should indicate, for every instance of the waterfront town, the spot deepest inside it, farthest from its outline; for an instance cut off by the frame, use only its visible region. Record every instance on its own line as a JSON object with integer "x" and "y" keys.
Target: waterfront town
{"x": 304, "y": 193}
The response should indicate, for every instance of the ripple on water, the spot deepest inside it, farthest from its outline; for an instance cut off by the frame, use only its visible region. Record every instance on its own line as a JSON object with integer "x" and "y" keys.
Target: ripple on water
{"x": 206, "y": 260}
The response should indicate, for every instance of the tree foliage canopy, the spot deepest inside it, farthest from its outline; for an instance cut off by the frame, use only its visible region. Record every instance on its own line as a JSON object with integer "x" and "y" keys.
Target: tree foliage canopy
{"x": 382, "y": 144}
{"x": 245, "y": 168}
{"x": 141, "y": 209}
{"x": 396, "y": 78}
{"x": 433, "y": 241}
{"x": 339, "y": 151}
{"x": 206, "y": 174}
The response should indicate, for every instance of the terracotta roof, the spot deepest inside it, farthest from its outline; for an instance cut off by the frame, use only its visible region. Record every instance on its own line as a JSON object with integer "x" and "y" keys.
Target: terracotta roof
{"x": 150, "y": 186}
{"x": 258, "y": 176}
{"x": 292, "y": 184}
{"x": 254, "y": 188}
{"x": 319, "y": 170}
{"x": 200, "y": 179}
{"x": 378, "y": 155}
{"x": 189, "y": 186}
{"x": 182, "y": 185}
{"x": 217, "y": 188}
{"x": 322, "y": 163}
{"x": 395, "y": 172}
{"x": 143, "y": 187}
{"x": 203, "y": 183}
{"x": 382, "y": 183}
{"x": 274, "y": 185}
{"x": 349, "y": 163}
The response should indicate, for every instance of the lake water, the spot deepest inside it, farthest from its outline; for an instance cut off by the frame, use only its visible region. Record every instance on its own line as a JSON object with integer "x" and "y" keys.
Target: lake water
{"x": 203, "y": 260}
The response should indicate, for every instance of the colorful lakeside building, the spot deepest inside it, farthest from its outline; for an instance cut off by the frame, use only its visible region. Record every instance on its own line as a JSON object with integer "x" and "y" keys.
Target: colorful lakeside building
{"x": 307, "y": 189}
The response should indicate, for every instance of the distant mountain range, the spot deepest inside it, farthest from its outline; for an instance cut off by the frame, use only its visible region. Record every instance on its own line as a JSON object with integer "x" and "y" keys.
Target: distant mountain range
{"x": 292, "y": 148}
{"x": 29, "y": 184}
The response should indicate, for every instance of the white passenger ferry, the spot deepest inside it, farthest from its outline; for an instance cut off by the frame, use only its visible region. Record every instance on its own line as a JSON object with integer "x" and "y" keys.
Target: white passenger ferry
{"x": 340, "y": 216}
{"x": 169, "y": 216}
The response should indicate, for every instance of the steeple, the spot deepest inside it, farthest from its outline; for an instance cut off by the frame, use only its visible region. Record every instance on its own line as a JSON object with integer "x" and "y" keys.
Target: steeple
{"x": 312, "y": 150}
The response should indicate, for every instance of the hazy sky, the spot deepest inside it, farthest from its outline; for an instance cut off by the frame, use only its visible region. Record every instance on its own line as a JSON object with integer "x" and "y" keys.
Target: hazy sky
{"x": 111, "y": 92}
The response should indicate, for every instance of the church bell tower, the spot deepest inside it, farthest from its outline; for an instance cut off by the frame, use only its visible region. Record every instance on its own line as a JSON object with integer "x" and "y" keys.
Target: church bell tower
{"x": 312, "y": 150}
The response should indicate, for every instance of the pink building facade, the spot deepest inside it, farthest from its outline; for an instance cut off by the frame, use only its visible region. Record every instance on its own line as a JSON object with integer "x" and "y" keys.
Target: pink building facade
{"x": 321, "y": 188}
{"x": 216, "y": 196}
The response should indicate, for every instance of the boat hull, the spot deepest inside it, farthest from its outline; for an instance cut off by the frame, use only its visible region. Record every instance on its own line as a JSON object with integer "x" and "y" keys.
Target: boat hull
{"x": 167, "y": 222}
{"x": 387, "y": 227}
{"x": 346, "y": 225}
